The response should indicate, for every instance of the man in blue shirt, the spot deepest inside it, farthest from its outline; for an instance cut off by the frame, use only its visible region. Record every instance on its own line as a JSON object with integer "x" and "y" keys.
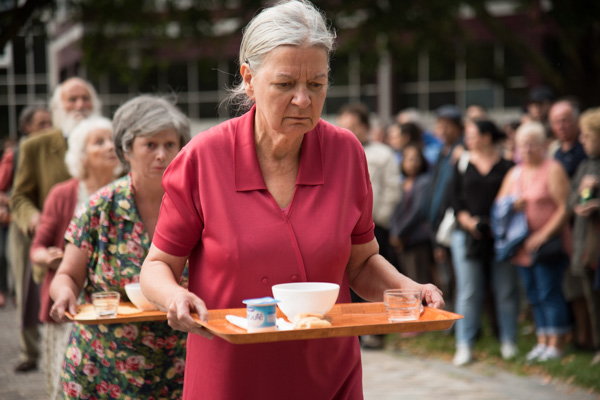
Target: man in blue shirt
{"x": 564, "y": 118}
{"x": 564, "y": 122}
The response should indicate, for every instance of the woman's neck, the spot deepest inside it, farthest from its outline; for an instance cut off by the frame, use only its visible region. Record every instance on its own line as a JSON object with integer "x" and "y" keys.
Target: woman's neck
{"x": 149, "y": 191}
{"x": 533, "y": 164}
{"x": 486, "y": 151}
{"x": 408, "y": 182}
{"x": 278, "y": 148}
{"x": 96, "y": 179}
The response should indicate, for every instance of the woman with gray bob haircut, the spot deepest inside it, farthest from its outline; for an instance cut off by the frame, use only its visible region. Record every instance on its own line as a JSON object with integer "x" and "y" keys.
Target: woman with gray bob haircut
{"x": 159, "y": 115}
{"x": 240, "y": 203}
{"x": 107, "y": 241}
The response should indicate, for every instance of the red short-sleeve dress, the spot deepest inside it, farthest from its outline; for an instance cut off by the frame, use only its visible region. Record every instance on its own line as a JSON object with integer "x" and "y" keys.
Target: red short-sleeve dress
{"x": 217, "y": 210}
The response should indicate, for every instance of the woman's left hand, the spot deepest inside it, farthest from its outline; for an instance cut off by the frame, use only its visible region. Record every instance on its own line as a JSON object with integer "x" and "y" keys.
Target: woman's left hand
{"x": 588, "y": 208}
{"x": 534, "y": 241}
{"x": 432, "y": 295}
{"x": 179, "y": 310}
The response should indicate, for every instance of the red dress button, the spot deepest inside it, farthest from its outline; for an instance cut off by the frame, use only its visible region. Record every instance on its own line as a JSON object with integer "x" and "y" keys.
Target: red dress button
{"x": 265, "y": 281}
{"x": 294, "y": 278}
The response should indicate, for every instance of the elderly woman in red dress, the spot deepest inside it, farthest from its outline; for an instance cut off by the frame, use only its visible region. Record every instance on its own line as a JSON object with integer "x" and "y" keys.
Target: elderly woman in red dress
{"x": 276, "y": 195}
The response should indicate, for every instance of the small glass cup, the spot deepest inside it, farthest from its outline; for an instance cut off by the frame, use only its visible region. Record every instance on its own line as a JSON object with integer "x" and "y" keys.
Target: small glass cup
{"x": 106, "y": 304}
{"x": 402, "y": 305}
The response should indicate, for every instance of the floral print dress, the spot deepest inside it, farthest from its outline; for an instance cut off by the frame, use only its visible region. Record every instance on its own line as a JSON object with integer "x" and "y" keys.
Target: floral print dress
{"x": 118, "y": 361}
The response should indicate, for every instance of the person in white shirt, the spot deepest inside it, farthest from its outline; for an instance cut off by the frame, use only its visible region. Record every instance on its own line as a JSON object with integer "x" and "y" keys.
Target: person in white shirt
{"x": 385, "y": 181}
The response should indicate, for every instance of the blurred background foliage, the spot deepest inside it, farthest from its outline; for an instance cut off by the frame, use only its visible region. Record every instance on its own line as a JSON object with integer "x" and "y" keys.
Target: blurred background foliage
{"x": 562, "y": 47}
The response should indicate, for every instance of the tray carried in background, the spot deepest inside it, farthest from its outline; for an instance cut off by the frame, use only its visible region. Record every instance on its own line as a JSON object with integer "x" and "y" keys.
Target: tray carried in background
{"x": 349, "y": 319}
{"x": 86, "y": 315}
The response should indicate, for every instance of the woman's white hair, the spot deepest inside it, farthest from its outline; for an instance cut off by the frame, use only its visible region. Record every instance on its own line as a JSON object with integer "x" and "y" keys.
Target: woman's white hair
{"x": 76, "y": 154}
{"x": 287, "y": 23}
{"x": 531, "y": 129}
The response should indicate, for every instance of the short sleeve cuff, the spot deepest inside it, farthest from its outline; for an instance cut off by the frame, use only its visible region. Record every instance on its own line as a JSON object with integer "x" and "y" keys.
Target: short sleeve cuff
{"x": 169, "y": 246}
{"x": 365, "y": 237}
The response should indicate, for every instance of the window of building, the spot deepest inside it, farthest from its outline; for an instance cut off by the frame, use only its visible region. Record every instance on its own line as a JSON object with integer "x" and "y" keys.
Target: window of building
{"x": 438, "y": 99}
{"x": 208, "y": 75}
{"x": 177, "y": 77}
{"x": 339, "y": 70}
{"x": 209, "y": 110}
{"x": 483, "y": 97}
{"x": 116, "y": 85}
{"x": 442, "y": 65}
{"x": 19, "y": 56}
{"x": 39, "y": 54}
{"x": 515, "y": 97}
{"x": 4, "y": 123}
{"x": 479, "y": 60}
{"x": 462, "y": 80}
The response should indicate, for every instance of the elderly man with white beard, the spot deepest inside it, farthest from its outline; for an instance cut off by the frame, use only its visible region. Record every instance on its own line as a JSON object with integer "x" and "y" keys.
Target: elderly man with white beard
{"x": 41, "y": 165}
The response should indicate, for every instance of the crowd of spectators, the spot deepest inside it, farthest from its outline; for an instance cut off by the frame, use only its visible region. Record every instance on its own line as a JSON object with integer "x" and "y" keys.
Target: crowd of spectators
{"x": 548, "y": 160}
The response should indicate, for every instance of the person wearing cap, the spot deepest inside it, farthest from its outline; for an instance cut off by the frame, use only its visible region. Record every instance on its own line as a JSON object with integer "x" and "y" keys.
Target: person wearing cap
{"x": 431, "y": 143}
{"x": 539, "y": 103}
{"x": 449, "y": 129}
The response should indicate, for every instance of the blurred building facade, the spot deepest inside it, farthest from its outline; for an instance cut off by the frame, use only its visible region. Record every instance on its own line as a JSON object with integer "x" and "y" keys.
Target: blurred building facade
{"x": 31, "y": 66}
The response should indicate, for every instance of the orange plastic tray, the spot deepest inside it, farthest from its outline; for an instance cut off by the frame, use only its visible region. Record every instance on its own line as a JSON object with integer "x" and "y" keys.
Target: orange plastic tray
{"x": 346, "y": 319}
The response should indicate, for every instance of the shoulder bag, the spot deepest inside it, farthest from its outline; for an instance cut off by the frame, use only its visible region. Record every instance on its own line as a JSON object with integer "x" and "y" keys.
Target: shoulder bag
{"x": 444, "y": 232}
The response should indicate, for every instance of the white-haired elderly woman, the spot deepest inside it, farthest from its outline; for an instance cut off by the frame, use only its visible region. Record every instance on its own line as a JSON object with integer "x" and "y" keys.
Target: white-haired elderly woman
{"x": 106, "y": 244}
{"x": 92, "y": 163}
{"x": 275, "y": 196}
{"x": 542, "y": 188}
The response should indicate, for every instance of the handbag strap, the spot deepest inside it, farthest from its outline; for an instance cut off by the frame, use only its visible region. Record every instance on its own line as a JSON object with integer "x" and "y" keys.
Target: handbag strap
{"x": 518, "y": 180}
{"x": 463, "y": 161}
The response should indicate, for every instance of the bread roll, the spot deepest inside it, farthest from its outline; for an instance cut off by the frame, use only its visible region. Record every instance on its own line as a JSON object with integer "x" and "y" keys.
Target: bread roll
{"x": 309, "y": 321}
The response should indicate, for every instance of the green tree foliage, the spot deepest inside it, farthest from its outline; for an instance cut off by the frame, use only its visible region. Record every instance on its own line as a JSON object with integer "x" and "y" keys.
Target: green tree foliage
{"x": 15, "y": 15}
{"x": 557, "y": 40}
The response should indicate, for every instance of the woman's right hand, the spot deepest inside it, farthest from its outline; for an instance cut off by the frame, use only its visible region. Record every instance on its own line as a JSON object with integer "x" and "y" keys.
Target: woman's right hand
{"x": 66, "y": 302}
{"x": 519, "y": 204}
{"x": 54, "y": 256}
{"x": 179, "y": 310}
{"x": 469, "y": 223}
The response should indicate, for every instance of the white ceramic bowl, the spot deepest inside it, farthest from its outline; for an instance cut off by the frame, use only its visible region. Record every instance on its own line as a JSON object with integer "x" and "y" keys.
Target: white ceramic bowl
{"x": 305, "y": 297}
{"x": 134, "y": 292}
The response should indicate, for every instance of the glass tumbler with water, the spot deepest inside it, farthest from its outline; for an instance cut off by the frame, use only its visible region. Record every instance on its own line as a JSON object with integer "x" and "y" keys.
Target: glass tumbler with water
{"x": 106, "y": 304}
{"x": 402, "y": 305}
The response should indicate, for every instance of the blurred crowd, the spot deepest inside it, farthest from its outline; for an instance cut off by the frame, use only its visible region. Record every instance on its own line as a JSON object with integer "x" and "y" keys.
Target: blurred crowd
{"x": 434, "y": 188}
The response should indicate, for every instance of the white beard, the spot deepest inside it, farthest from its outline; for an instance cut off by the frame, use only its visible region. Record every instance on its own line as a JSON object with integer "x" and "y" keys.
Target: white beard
{"x": 67, "y": 121}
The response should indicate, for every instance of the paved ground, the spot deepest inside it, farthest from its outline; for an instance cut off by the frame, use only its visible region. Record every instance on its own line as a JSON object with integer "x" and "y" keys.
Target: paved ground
{"x": 387, "y": 375}
{"x": 392, "y": 375}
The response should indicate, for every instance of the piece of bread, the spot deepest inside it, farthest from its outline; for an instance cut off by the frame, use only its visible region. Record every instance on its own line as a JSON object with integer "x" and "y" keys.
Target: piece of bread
{"x": 306, "y": 315}
{"x": 309, "y": 321}
{"x": 126, "y": 309}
